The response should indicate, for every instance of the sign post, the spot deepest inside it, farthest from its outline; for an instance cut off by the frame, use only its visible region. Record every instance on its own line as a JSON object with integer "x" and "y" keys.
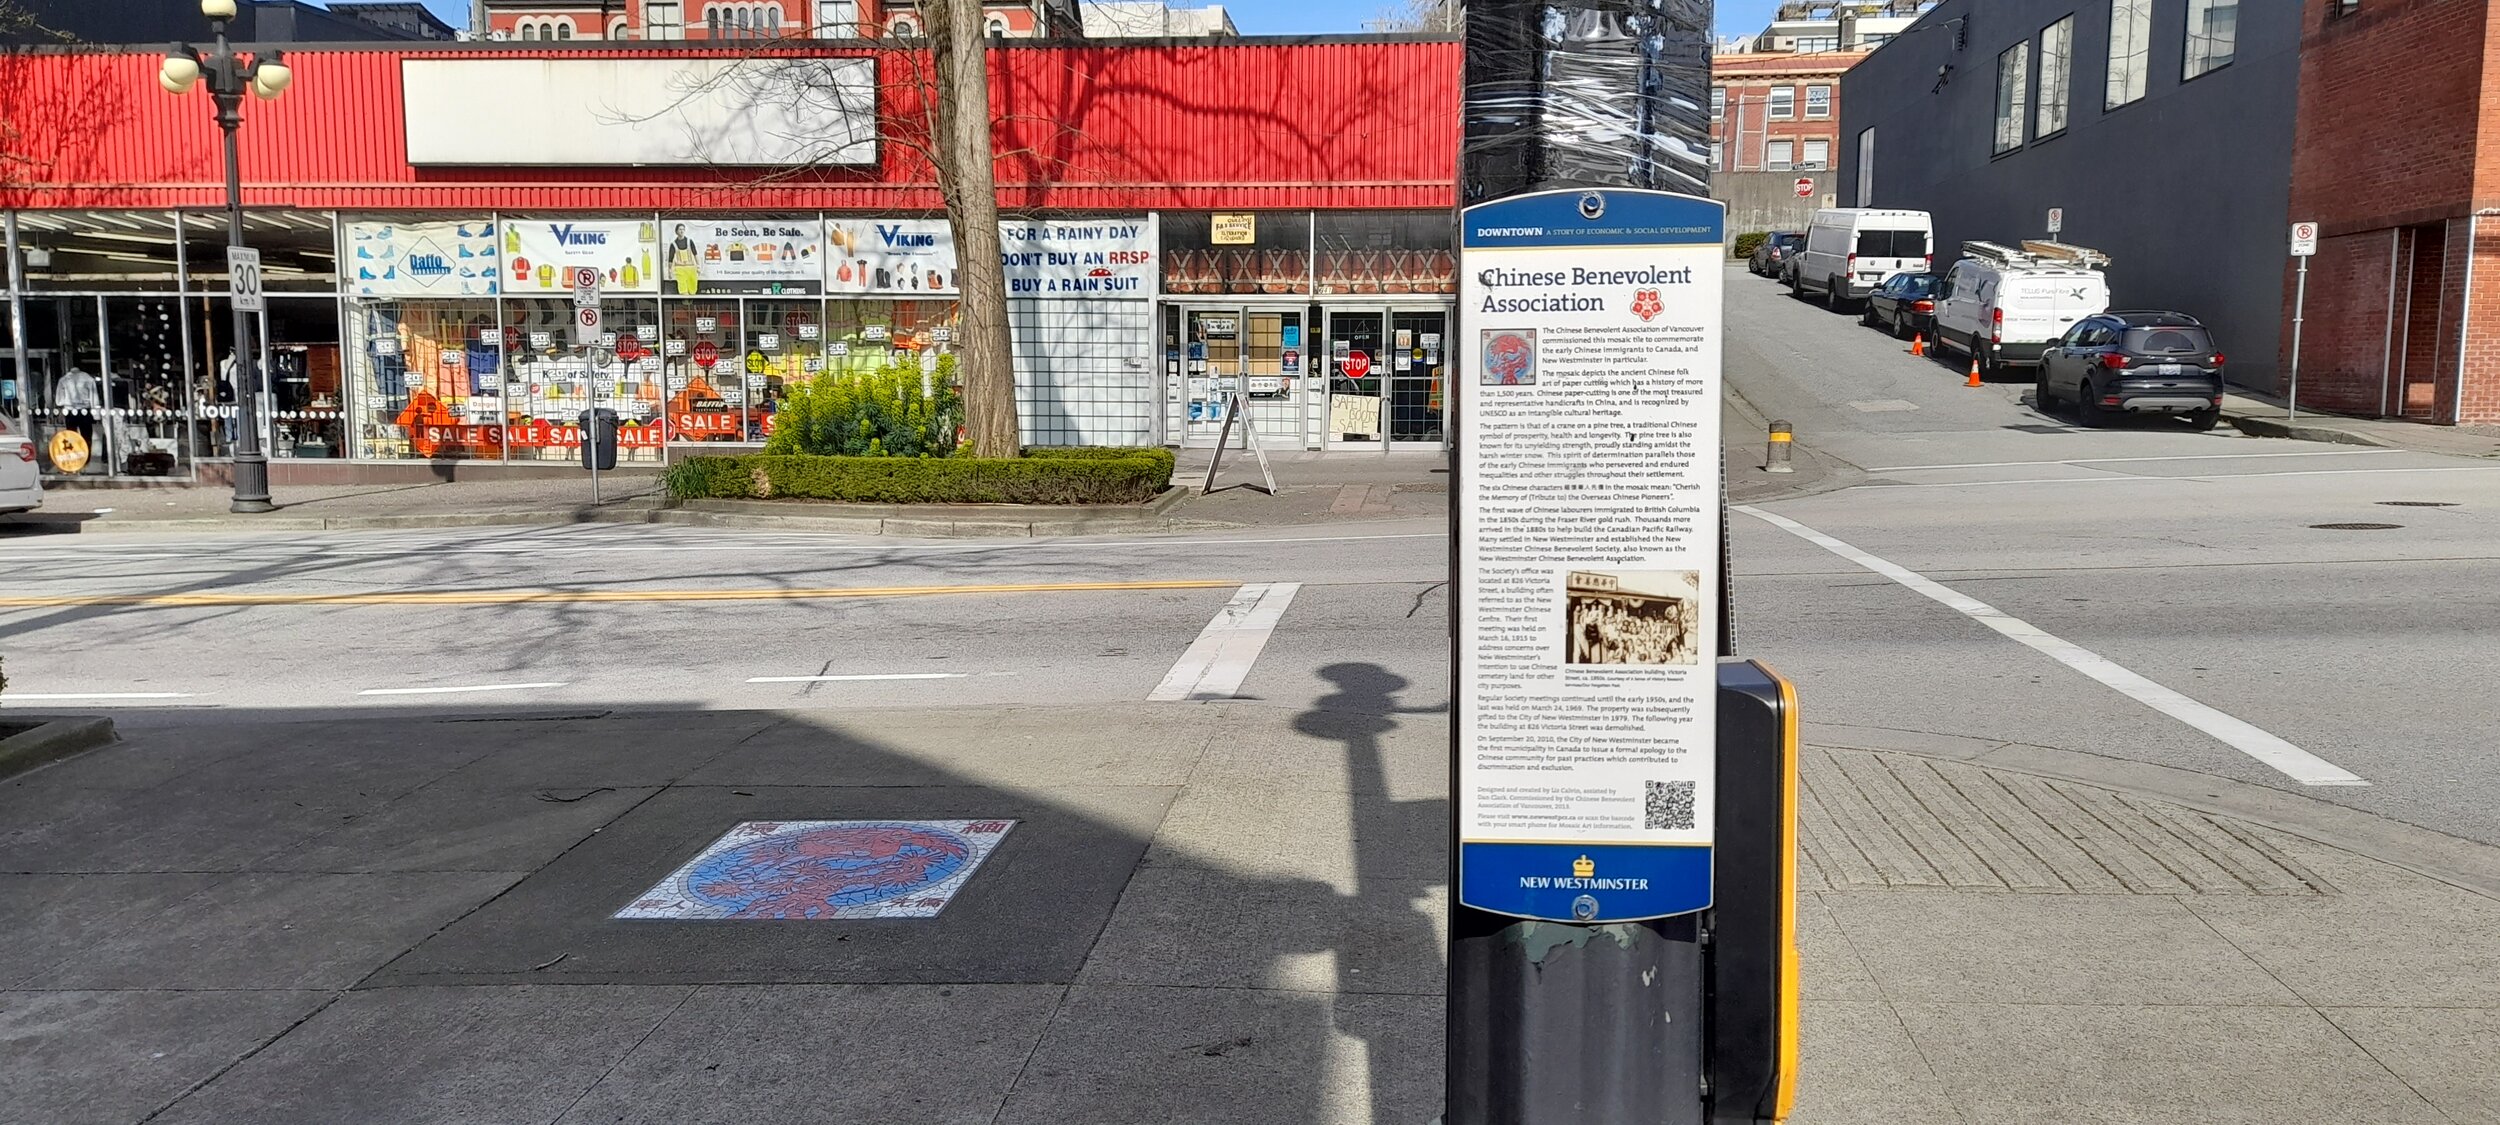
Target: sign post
{"x": 1587, "y": 626}
{"x": 2304, "y": 247}
{"x": 2057, "y": 222}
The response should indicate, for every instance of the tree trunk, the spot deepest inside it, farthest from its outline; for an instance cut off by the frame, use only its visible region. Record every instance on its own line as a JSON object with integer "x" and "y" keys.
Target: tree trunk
{"x": 967, "y": 178}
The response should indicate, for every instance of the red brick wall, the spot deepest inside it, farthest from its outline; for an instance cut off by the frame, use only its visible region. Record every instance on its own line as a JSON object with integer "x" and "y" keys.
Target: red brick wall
{"x": 2345, "y": 343}
{"x": 2481, "y": 333}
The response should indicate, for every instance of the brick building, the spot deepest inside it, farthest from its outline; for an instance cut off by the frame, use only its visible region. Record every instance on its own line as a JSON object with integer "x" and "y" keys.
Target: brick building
{"x": 2403, "y": 312}
{"x": 1776, "y": 112}
{"x": 562, "y": 20}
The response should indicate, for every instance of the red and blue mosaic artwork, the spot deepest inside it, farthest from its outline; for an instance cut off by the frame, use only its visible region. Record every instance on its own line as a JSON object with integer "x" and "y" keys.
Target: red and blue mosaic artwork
{"x": 825, "y": 869}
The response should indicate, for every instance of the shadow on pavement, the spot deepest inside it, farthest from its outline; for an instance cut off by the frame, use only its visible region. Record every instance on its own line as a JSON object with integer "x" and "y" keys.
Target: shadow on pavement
{"x": 1210, "y": 913}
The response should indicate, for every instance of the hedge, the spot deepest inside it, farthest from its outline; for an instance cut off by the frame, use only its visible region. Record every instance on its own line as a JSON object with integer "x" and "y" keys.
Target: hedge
{"x": 1041, "y": 476}
{"x": 1749, "y": 242}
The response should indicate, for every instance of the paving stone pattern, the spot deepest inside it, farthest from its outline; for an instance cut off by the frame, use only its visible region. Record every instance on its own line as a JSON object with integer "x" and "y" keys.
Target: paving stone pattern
{"x": 1873, "y": 819}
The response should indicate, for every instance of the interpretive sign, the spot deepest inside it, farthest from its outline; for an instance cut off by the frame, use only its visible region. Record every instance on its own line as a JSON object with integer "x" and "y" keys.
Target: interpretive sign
{"x": 1588, "y": 563}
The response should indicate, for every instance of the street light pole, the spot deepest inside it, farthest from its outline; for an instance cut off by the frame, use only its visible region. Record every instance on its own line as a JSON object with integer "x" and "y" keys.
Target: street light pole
{"x": 228, "y": 77}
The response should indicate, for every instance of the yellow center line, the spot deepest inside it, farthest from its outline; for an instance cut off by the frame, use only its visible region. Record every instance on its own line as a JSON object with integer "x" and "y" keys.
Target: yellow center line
{"x": 536, "y": 597}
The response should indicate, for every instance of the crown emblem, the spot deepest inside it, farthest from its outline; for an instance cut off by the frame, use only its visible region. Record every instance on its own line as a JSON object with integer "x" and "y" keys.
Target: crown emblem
{"x": 1583, "y": 867}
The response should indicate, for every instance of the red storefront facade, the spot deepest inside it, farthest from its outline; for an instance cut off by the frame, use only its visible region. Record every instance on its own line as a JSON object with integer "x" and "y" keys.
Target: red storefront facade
{"x": 1187, "y": 220}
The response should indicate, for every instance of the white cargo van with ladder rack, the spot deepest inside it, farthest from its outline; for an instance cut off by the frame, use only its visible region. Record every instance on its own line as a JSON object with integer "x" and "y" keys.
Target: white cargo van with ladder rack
{"x": 2003, "y": 305}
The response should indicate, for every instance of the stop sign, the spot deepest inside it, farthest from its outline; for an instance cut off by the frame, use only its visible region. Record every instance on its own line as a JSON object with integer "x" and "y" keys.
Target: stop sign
{"x": 1805, "y": 187}
{"x": 629, "y": 347}
{"x": 1358, "y": 365}
{"x": 706, "y": 354}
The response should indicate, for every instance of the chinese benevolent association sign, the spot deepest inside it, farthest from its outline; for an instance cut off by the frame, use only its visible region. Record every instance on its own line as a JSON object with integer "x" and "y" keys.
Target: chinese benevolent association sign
{"x": 1588, "y": 562}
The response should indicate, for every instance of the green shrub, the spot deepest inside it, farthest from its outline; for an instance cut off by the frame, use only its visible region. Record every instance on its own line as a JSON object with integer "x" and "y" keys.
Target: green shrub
{"x": 879, "y": 412}
{"x": 1750, "y": 241}
{"x": 1042, "y": 476}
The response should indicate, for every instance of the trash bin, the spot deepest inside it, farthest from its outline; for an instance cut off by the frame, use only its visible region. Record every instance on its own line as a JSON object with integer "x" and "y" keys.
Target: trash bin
{"x": 599, "y": 438}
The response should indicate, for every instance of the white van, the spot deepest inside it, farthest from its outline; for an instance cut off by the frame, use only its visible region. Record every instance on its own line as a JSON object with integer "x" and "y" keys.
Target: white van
{"x": 2004, "y": 306}
{"x": 1851, "y": 250}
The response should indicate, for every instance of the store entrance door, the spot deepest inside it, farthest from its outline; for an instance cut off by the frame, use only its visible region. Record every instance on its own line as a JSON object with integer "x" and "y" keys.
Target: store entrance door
{"x": 1257, "y": 352}
{"x": 1418, "y": 361}
{"x": 1357, "y": 365}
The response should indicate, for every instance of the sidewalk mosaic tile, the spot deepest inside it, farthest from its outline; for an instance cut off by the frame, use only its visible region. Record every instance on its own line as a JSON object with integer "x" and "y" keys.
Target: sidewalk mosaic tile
{"x": 818, "y": 870}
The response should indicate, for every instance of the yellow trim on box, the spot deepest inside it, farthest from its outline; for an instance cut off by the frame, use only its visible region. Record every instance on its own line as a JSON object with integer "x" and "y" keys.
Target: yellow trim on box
{"x": 1790, "y": 1040}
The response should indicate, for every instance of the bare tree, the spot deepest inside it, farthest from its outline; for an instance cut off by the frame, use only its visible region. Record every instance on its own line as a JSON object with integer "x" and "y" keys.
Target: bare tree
{"x": 967, "y": 176}
{"x": 1444, "y": 16}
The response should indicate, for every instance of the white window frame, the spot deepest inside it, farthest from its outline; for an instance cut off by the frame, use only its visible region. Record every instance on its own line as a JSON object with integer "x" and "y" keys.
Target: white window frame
{"x": 1772, "y": 161}
{"x": 1807, "y": 161}
{"x": 663, "y": 20}
{"x": 2054, "y": 105}
{"x": 2130, "y": 52}
{"x": 831, "y": 24}
{"x": 1813, "y": 112}
{"x": 564, "y": 28}
{"x": 2013, "y": 104}
{"x": 2205, "y": 53}
{"x": 902, "y": 27}
{"x": 1718, "y": 155}
{"x": 617, "y": 28}
{"x": 1718, "y": 103}
{"x": 1779, "y": 114}
{"x": 995, "y": 26}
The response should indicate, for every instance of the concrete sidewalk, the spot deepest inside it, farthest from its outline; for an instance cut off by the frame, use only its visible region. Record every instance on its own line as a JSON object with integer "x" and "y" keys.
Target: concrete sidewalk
{"x": 2265, "y": 415}
{"x": 1208, "y": 914}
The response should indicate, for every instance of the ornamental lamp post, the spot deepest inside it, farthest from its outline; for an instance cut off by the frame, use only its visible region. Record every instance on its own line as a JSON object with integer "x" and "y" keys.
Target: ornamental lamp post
{"x": 266, "y": 75}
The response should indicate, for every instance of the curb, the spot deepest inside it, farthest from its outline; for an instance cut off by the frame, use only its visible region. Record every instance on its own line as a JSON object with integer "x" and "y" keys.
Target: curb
{"x": 620, "y": 514}
{"x": 52, "y": 741}
{"x": 2255, "y": 426}
{"x": 2460, "y": 863}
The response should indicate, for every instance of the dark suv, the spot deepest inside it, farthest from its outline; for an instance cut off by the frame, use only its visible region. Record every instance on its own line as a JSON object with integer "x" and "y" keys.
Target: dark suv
{"x": 2135, "y": 363}
{"x": 1775, "y": 252}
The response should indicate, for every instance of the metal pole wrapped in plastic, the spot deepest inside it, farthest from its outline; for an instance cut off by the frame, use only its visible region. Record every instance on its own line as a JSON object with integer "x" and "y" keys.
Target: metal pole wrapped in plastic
{"x": 1594, "y": 93}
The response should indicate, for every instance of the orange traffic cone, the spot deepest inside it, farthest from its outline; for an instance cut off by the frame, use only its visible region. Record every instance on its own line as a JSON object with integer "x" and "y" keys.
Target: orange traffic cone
{"x": 1974, "y": 373}
{"x": 1918, "y": 343}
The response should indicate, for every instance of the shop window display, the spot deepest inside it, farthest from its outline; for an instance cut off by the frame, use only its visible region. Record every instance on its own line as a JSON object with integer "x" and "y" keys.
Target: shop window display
{"x": 426, "y": 379}
{"x": 703, "y": 382}
{"x": 1387, "y": 252}
{"x": 869, "y": 335}
{"x": 551, "y": 380}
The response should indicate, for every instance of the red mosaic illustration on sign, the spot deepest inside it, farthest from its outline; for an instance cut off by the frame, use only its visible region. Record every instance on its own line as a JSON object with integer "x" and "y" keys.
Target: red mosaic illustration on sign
{"x": 1647, "y": 306}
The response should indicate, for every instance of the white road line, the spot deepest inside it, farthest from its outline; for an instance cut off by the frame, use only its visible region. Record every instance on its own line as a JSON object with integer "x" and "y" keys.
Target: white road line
{"x": 24, "y": 696}
{"x": 1221, "y": 657}
{"x": 454, "y": 690}
{"x": 2295, "y": 763}
{"x": 2210, "y": 479}
{"x": 858, "y": 679}
{"x": 2107, "y": 460}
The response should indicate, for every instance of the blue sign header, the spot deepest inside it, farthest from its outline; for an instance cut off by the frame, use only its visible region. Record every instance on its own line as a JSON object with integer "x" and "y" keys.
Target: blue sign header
{"x": 1594, "y": 217}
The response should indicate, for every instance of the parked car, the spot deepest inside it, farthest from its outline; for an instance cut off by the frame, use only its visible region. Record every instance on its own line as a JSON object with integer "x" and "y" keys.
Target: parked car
{"x": 1851, "y": 250}
{"x": 1774, "y": 253}
{"x": 2004, "y": 306}
{"x": 1904, "y": 304}
{"x": 21, "y": 481}
{"x": 2134, "y": 363}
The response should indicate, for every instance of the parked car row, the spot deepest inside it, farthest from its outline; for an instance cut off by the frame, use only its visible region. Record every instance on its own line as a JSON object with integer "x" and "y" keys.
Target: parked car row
{"x": 2040, "y": 305}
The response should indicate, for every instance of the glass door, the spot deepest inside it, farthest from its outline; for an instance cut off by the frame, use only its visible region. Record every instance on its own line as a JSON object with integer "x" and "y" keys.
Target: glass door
{"x": 1213, "y": 367}
{"x": 1272, "y": 367}
{"x": 1418, "y": 353}
{"x": 1356, "y": 377}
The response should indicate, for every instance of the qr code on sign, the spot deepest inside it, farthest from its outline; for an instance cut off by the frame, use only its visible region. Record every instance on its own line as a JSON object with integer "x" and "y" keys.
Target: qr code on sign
{"x": 1670, "y": 805}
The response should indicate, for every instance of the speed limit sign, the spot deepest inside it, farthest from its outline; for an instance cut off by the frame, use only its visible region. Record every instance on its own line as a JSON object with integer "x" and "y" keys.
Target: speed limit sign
{"x": 586, "y": 325}
{"x": 243, "y": 280}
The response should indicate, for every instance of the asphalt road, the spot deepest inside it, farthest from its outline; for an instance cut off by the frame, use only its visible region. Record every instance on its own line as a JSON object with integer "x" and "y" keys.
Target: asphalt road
{"x": 1969, "y": 566}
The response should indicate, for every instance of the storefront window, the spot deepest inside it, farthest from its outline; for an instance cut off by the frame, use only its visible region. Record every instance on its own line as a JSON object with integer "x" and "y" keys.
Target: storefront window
{"x": 425, "y": 379}
{"x": 1387, "y": 252}
{"x": 703, "y": 381}
{"x": 1237, "y": 252}
{"x": 867, "y": 335}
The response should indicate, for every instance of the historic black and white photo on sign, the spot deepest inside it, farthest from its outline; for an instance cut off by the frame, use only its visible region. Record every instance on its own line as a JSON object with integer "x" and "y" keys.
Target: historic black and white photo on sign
{"x": 1631, "y": 617}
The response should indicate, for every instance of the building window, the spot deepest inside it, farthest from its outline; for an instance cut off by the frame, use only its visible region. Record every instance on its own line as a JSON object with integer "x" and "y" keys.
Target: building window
{"x": 1783, "y": 102}
{"x": 564, "y": 29}
{"x": 2013, "y": 96}
{"x": 1818, "y": 101}
{"x": 713, "y": 24}
{"x": 616, "y": 28}
{"x": 837, "y": 19}
{"x": 1808, "y": 46}
{"x": 1779, "y": 155}
{"x": 903, "y": 27}
{"x": 2341, "y": 8}
{"x": 1818, "y": 153}
{"x": 2213, "y": 34}
{"x": 1718, "y": 103}
{"x": 1866, "y": 167}
{"x": 996, "y": 26}
{"x": 2057, "y": 75}
{"x": 2130, "y": 43}
{"x": 1718, "y": 155}
{"x": 662, "y": 19}
{"x": 1873, "y": 41}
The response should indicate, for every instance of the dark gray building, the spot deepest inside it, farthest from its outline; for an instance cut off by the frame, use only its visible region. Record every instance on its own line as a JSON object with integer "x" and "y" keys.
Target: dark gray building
{"x": 163, "y": 21}
{"x": 2162, "y": 128}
